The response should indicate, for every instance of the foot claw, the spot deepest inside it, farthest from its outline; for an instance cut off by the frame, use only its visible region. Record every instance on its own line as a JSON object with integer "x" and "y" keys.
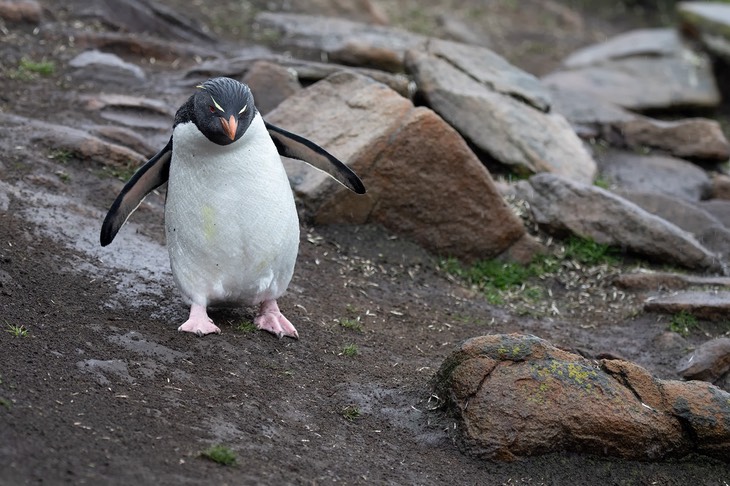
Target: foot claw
{"x": 199, "y": 323}
{"x": 272, "y": 320}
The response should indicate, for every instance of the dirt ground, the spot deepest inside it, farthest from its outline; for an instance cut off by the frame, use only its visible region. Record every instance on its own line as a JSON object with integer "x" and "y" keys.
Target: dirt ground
{"x": 104, "y": 390}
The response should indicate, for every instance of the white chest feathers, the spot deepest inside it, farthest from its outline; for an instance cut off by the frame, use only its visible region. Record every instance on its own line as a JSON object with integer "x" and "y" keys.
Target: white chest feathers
{"x": 230, "y": 219}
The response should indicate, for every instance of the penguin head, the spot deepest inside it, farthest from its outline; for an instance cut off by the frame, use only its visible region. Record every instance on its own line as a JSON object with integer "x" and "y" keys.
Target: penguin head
{"x": 223, "y": 109}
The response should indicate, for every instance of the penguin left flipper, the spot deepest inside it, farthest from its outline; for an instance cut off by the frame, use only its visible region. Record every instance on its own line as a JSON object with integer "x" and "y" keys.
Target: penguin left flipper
{"x": 296, "y": 147}
{"x": 149, "y": 177}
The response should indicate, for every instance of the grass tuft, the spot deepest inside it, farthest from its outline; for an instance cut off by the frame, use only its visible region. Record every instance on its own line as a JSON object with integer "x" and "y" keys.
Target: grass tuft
{"x": 220, "y": 454}
{"x": 17, "y": 331}
{"x": 350, "y": 350}
{"x": 351, "y": 413}
{"x": 589, "y": 252}
{"x": 683, "y": 323}
{"x": 246, "y": 327}
{"x": 352, "y": 324}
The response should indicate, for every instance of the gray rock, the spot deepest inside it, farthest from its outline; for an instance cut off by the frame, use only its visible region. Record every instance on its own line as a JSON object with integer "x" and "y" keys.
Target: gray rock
{"x": 341, "y": 40}
{"x": 711, "y": 305}
{"x": 666, "y": 281}
{"x": 516, "y": 396}
{"x": 708, "y": 230}
{"x": 405, "y": 155}
{"x": 270, "y": 84}
{"x": 653, "y": 73}
{"x": 654, "y": 173}
{"x": 19, "y": 11}
{"x": 359, "y": 10}
{"x": 307, "y": 72}
{"x": 105, "y": 68}
{"x": 640, "y": 42}
{"x": 719, "y": 208}
{"x": 709, "y": 362}
{"x": 561, "y": 205}
{"x": 491, "y": 112}
{"x": 709, "y": 22}
{"x": 693, "y": 138}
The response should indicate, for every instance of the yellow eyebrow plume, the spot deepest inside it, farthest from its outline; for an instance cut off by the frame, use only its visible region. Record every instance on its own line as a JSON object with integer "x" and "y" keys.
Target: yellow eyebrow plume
{"x": 216, "y": 104}
{"x": 243, "y": 109}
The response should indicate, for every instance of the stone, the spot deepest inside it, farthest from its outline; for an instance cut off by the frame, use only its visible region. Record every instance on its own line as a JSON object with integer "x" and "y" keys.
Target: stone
{"x": 560, "y": 205}
{"x": 692, "y": 138}
{"x": 691, "y": 217}
{"x": 515, "y": 396}
{"x": 105, "y": 68}
{"x": 27, "y": 11}
{"x": 639, "y": 42}
{"x": 144, "y": 17}
{"x": 709, "y": 362}
{"x": 270, "y": 84}
{"x": 710, "y": 305}
{"x": 718, "y": 208}
{"x": 720, "y": 187}
{"x": 140, "y": 45}
{"x": 341, "y": 41}
{"x": 307, "y": 72}
{"x": 358, "y": 10}
{"x": 666, "y": 281}
{"x": 405, "y": 155}
{"x": 499, "y": 109}
{"x": 654, "y": 173}
{"x": 644, "y": 70}
{"x": 707, "y": 22}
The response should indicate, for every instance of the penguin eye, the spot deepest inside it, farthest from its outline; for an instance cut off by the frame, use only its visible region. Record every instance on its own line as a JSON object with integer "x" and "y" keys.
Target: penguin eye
{"x": 212, "y": 108}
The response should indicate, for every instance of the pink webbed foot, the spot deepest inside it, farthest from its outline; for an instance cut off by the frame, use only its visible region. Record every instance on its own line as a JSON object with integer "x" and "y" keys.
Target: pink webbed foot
{"x": 199, "y": 323}
{"x": 271, "y": 319}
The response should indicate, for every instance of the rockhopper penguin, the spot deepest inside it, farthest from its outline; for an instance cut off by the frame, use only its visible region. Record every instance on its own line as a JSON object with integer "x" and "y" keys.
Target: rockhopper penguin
{"x": 230, "y": 221}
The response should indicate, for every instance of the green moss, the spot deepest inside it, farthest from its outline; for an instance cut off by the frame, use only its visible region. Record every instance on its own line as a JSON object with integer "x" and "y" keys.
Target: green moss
{"x": 220, "y": 454}
{"x": 588, "y": 252}
{"x": 683, "y": 323}
{"x": 246, "y": 327}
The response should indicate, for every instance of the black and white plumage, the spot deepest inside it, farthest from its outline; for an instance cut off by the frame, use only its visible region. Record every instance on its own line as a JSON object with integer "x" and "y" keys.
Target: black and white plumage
{"x": 230, "y": 220}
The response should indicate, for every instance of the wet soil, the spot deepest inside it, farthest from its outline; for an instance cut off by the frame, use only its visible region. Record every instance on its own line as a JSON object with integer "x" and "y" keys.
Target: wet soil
{"x": 104, "y": 390}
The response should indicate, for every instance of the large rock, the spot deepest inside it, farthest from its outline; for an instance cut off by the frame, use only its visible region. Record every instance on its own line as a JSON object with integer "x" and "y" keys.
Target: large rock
{"x": 498, "y": 108}
{"x": 691, "y": 138}
{"x": 561, "y": 206}
{"x": 641, "y": 75}
{"x": 709, "y": 22}
{"x": 517, "y": 396}
{"x": 709, "y": 362}
{"x": 714, "y": 306}
{"x": 655, "y": 173}
{"x": 706, "y": 228}
{"x": 341, "y": 40}
{"x": 105, "y": 68}
{"x": 423, "y": 182}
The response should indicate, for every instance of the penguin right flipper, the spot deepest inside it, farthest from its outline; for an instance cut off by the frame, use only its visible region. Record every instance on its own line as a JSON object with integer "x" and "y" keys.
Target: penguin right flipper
{"x": 297, "y": 147}
{"x": 149, "y": 177}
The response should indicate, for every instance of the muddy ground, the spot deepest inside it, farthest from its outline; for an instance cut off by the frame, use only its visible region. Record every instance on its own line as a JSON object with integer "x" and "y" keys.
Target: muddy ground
{"x": 104, "y": 390}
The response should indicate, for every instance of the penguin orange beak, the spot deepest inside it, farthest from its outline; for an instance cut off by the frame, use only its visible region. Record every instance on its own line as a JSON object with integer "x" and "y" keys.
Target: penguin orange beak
{"x": 230, "y": 126}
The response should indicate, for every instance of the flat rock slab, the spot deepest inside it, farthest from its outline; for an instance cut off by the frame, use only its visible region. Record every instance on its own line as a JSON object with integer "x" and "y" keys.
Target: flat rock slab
{"x": 422, "y": 179}
{"x": 560, "y": 205}
{"x": 517, "y": 396}
{"x": 640, "y": 73}
{"x": 709, "y": 22}
{"x": 654, "y": 173}
{"x": 499, "y": 109}
{"x": 709, "y": 362}
{"x": 711, "y": 305}
{"x": 666, "y": 281}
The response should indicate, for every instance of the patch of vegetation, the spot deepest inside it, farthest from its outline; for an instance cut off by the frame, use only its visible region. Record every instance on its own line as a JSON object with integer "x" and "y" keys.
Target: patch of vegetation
{"x": 61, "y": 155}
{"x": 4, "y": 402}
{"x": 588, "y": 252}
{"x": 17, "y": 331}
{"x": 350, "y": 350}
{"x": 351, "y": 413}
{"x": 29, "y": 69}
{"x": 602, "y": 183}
{"x": 683, "y": 323}
{"x": 122, "y": 172}
{"x": 220, "y": 454}
{"x": 352, "y": 324}
{"x": 246, "y": 327}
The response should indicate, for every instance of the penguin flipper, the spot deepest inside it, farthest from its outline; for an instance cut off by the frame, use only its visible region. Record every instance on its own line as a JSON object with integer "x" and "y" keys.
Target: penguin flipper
{"x": 149, "y": 177}
{"x": 296, "y": 147}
